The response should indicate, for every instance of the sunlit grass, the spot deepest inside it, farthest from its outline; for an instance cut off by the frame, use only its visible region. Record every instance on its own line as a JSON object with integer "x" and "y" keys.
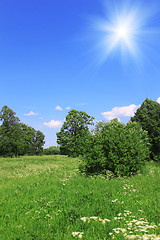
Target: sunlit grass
{"x": 47, "y": 198}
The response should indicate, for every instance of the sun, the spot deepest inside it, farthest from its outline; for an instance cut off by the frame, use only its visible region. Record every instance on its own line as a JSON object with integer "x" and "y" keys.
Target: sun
{"x": 122, "y": 32}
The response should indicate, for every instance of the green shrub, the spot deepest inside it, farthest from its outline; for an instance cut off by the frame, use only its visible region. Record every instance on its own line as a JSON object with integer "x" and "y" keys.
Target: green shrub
{"x": 53, "y": 150}
{"x": 119, "y": 148}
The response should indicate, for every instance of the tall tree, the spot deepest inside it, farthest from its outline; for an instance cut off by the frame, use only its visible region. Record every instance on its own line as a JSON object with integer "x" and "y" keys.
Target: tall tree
{"x": 9, "y": 133}
{"x": 148, "y": 115}
{"x": 73, "y": 134}
{"x": 17, "y": 138}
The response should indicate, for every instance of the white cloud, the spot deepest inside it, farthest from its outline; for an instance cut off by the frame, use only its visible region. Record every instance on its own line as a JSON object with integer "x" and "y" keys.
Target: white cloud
{"x": 68, "y": 108}
{"x": 31, "y": 114}
{"x": 59, "y": 108}
{"x": 158, "y": 100}
{"x": 53, "y": 124}
{"x": 126, "y": 111}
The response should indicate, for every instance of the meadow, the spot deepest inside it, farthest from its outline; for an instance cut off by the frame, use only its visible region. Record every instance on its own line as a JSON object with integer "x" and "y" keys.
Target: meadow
{"x": 46, "y": 197}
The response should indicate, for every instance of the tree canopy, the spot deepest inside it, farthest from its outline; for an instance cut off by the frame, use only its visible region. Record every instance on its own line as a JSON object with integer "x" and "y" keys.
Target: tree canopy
{"x": 17, "y": 138}
{"x": 148, "y": 116}
{"x": 73, "y": 134}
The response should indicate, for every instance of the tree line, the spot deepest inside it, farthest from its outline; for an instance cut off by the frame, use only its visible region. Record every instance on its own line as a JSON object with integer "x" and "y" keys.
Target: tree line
{"x": 113, "y": 146}
{"x": 109, "y": 146}
{"x": 17, "y": 138}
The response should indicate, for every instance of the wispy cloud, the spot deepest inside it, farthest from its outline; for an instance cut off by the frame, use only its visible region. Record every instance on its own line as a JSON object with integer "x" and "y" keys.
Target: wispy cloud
{"x": 53, "y": 124}
{"x": 59, "y": 108}
{"x": 158, "y": 100}
{"x": 80, "y": 104}
{"x": 68, "y": 108}
{"x": 126, "y": 111}
{"x": 31, "y": 114}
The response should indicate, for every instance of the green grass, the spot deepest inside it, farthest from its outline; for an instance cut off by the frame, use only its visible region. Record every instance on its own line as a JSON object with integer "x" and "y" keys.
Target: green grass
{"x": 47, "y": 198}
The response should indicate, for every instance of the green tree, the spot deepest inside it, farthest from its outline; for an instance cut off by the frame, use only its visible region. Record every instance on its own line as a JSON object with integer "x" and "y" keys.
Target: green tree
{"x": 33, "y": 140}
{"x": 38, "y": 142}
{"x": 9, "y": 133}
{"x": 53, "y": 150}
{"x": 119, "y": 148}
{"x": 73, "y": 134}
{"x": 17, "y": 138}
{"x": 148, "y": 116}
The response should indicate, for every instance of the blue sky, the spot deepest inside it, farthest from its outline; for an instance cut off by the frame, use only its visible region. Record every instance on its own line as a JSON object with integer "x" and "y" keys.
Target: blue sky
{"x": 101, "y": 57}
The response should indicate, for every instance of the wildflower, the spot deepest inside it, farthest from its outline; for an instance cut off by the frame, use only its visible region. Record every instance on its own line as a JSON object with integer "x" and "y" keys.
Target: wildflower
{"x": 80, "y": 236}
{"x": 48, "y": 216}
{"x": 133, "y": 237}
{"x": 94, "y": 218}
{"x": 27, "y": 212}
{"x": 84, "y": 219}
{"x": 107, "y": 220}
{"x": 117, "y": 230}
{"x": 76, "y": 233}
{"x": 114, "y": 200}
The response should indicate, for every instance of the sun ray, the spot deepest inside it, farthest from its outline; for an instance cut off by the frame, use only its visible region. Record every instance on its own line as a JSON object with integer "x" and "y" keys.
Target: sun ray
{"x": 123, "y": 29}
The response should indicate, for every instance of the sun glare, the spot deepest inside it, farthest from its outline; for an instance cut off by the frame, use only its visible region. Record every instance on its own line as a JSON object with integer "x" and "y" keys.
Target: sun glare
{"x": 123, "y": 29}
{"x": 122, "y": 32}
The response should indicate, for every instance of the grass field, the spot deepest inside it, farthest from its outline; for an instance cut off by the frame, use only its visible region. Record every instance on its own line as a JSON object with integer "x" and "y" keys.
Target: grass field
{"x": 46, "y": 197}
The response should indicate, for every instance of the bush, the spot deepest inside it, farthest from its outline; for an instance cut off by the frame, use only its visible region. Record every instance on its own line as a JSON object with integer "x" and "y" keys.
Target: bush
{"x": 51, "y": 151}
{"x": 119, "y": 148}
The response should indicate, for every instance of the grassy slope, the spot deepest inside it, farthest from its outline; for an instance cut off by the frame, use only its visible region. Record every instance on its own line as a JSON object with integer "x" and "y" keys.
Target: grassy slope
{"x": 46, "y": 197}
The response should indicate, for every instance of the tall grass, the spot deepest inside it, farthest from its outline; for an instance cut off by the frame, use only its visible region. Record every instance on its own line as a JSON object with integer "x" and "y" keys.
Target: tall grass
{"x": 47, "y": 198}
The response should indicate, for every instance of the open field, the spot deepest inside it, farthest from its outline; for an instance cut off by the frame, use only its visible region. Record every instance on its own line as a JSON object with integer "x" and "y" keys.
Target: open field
{"x": 46, "y": 197}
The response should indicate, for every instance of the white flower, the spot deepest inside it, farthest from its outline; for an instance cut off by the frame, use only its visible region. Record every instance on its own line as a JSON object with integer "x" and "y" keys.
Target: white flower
{"x": 133, "y": 237}
{"x": 107, "y": 220}
{"x": 84, "y": 219}
{"x": 94, "y": 218}
{"x": 114, "y": 200}
{"x": 75, "y": 233}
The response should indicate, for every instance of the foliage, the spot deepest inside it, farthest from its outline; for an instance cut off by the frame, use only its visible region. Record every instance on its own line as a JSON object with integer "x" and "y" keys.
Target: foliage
{"x": 73, "y": 134}
{"x": 53, "y": 150}
{"x": 119, "y": 148}
{"x": 148, "y": 116}
{"x": 17, "y": 138}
